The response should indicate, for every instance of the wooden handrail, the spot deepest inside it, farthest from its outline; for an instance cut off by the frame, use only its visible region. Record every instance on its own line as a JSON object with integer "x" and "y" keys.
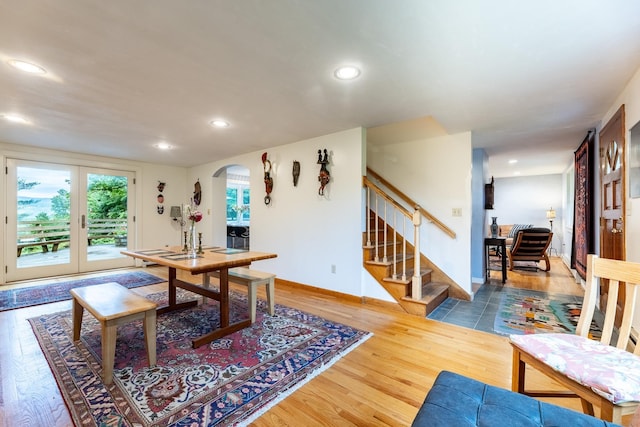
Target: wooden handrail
{"x": 380, "y": 192}
{"x": 411, "y": 202}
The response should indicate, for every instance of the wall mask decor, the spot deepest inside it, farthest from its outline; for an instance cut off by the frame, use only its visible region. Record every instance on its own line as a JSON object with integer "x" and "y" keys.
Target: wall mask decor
{"x": 160, "y": 198}
{"x": 268, "y": 180}
{"x": 488, "y": 195}
{"x": 197, "y": 193}
{"x": 324, "y": 176}
{"x": 296, "y": 172}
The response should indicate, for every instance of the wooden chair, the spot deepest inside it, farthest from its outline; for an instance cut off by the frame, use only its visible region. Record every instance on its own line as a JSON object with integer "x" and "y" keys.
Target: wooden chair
{"x": 595, "y": 371}
{"x": 530, "y": 244}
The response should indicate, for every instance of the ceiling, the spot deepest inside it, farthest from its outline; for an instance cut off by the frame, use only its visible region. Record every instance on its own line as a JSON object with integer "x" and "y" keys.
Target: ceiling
{"x": 527, "y": 79}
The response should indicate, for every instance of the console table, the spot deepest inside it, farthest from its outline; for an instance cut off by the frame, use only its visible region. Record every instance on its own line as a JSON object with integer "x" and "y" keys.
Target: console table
{"x": 500, "y": 242}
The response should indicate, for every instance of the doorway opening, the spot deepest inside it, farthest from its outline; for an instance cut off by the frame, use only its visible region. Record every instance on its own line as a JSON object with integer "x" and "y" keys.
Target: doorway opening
{"x": 238, "y": 209}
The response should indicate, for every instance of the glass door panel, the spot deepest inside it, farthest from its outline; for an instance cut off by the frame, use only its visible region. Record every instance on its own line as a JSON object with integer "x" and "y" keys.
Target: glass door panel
{"x": 105, "y": 223}
{"x": 40, "y": 220}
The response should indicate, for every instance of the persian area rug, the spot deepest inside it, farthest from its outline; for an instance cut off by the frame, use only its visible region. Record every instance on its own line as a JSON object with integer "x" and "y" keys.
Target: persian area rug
{"x": 54, "y": 292}
{"x": 535, "y": 314}
{"x": 230, "y": 381}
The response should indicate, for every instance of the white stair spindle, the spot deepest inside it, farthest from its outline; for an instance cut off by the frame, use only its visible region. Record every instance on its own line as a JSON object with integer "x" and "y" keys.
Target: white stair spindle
{"x": 368, "y": 217}
{"x": 416, "y": 281}
{"x": 384, "y": 243}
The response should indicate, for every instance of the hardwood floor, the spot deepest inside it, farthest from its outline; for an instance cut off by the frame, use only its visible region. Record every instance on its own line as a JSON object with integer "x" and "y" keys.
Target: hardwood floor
{"x": 382, "y": 382}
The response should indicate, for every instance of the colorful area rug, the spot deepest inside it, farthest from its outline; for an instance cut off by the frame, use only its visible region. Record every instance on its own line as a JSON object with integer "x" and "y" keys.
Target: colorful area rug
{"x": 54, "y": 292}
{"x": 230, "y": 381}
{"x": 532, "y": 314}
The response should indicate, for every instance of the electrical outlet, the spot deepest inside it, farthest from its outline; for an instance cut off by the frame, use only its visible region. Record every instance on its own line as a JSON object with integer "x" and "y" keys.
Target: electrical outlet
{"x": 456, "y": 212}
{"x": 333, "y": 268}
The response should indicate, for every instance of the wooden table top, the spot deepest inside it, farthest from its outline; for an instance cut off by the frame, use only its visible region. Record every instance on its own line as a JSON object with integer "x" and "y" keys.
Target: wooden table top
{"x": 212, "y": 258}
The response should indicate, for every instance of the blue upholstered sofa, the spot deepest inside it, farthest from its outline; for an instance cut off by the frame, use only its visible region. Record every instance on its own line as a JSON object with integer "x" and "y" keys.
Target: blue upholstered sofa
{"x": 458, "y": 401}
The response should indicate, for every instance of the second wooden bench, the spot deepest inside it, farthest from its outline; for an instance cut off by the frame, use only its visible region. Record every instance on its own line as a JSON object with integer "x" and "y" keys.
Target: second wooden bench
{"x": 252, "y": 279}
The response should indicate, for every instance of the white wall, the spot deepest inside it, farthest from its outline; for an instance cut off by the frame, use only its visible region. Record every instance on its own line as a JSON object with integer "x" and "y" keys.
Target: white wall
{"x": 479, "y": 227}
{"x": 526, "y": 200}
{"x": 630, "y": 97}
{"x": 436, "y": 173}
{"x": 160, "y": 230}
{"x": 309, "y": 232}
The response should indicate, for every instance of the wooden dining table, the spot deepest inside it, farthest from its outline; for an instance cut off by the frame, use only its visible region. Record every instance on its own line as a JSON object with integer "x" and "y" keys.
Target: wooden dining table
{"x": 211, "y": 259}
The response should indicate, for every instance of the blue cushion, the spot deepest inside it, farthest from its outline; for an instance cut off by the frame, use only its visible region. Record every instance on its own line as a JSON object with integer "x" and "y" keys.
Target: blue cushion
{"x": 455, "y": 400}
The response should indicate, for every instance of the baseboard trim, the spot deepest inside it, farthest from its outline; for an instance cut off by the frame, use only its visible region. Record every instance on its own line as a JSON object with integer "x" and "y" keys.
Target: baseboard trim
{"x": 390, "y": 305}
{"x": 339, "y": 295}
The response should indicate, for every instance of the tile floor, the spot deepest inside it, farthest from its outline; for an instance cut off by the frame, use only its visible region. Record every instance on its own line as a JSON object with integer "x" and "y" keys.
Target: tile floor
{"x": 480, "y": 313}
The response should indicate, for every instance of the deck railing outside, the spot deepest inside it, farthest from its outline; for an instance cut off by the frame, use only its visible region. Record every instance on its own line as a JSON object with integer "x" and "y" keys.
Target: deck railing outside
{"x": 36, "y": 236}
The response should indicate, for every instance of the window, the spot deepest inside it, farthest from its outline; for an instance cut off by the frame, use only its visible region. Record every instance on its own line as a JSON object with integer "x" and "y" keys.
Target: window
{"x": 238, "y": 199}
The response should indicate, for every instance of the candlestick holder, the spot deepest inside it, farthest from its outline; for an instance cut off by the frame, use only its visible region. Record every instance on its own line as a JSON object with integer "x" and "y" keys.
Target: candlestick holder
{"x": 200, "y": 251}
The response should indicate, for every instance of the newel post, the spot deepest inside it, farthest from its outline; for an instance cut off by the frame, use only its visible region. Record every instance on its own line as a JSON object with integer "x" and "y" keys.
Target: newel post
{"x": 416, "y": 280}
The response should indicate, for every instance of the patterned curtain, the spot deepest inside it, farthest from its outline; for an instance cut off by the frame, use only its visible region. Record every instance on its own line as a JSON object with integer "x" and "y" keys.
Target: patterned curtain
{"x": 583, "y": 209}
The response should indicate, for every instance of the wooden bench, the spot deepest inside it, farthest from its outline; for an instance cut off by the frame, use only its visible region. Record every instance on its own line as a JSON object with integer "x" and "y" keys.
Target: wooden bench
{"x": 42, "y": 243}
{"x": 112, "y": 304}
{"x": 252, "y": 279}
{"x": 42, "y": 233}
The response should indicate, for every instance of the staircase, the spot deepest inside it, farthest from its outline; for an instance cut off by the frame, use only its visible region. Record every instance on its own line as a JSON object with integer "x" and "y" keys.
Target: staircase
{"x": 389, "y": 256}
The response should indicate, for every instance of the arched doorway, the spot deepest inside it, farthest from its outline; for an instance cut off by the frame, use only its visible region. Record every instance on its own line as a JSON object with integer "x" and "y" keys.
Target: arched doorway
{"x": 238, "y": 207}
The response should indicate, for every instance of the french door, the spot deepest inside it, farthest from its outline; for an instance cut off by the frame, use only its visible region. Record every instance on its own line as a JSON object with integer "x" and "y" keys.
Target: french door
{"x": 65, "y": 219}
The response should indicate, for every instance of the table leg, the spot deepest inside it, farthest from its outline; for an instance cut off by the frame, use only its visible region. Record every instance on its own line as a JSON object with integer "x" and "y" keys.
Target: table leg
{"x": 173, "y": 305}
{"x": 225, "y": 307}
{"x": 149, "y": 324}
{"x": 172, "y": 287}
{"x": 109, "y": 331}
{"x": 224, "y": 297}
{"x": 77, "y": 312}
{"x": 504, "y": 262}
{"x": 487, "y": 260}
{"x": 206, "y": 281}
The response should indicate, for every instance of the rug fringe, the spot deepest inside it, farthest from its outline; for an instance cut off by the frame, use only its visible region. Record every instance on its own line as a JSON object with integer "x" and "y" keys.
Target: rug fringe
{"x": 296, "y": 386}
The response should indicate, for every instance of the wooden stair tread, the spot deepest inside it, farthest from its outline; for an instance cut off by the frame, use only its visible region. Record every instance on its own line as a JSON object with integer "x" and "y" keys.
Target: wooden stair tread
{"x": 430, "y": 292}
{"x": 433, "y": 293}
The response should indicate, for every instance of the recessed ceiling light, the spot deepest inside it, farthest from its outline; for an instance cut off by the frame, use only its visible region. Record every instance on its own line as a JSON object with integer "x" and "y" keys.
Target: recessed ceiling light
{"x": 347, "y": 73}
{"x": 219, "y": 123}
{"x": 513, "y": 161}
{"x": 27, "y": 67}
{"x": 163, "y": 146}
{"x": 14, "y": 118}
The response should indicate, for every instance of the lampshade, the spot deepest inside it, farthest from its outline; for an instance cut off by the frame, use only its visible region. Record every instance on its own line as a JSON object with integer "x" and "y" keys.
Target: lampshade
{"x": 175, "y": 212}
{"x": 551, "y": 214}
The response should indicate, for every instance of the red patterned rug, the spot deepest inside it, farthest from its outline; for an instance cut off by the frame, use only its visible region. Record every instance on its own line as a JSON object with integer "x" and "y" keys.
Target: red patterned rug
{"x": 231, "y": 381}
{"x": 54, "y": 292}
